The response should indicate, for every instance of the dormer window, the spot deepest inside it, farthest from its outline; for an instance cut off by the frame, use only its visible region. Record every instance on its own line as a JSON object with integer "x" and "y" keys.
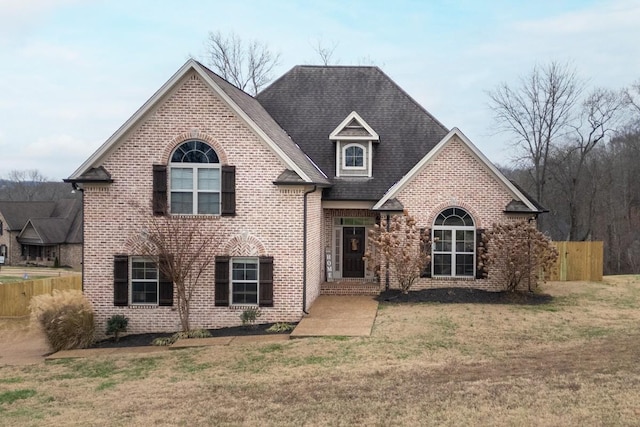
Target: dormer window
{"x": 354, "y": 147}
{"x": 353, "y": 157}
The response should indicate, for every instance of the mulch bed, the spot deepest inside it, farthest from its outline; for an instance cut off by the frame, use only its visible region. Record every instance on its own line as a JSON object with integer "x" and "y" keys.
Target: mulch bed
{"x": 137, "y": 340}
{"x": 463, "y": 296}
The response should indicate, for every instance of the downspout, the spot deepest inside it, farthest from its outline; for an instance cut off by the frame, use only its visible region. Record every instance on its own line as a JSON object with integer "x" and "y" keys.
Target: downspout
{"x": 304, "y": 250}
{"x": 76, "y": 187}
{"x": 386, "y": 269}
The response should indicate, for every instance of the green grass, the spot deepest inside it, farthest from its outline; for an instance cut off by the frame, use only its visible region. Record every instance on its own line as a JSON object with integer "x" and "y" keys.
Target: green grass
{"x": 11, "y": 380}
{"x": 13, "y": 395}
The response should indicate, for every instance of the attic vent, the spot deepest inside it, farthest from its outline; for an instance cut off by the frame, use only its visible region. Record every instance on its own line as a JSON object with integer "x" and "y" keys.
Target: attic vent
{"x": 194, "y": 77}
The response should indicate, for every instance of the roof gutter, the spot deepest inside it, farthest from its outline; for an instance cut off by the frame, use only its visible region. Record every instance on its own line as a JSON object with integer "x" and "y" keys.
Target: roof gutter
{"x": 304, "y": 249}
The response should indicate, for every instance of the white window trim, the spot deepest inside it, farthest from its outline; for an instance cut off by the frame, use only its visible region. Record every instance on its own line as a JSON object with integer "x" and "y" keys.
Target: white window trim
{"x": 341, "y": 148}
{"x": 133, "y": 259}
{"x": 365, "y": 156}
{"x": 194, "y": 190}
{"x": 255, "y": 260}
{"x": 453, "y": 251}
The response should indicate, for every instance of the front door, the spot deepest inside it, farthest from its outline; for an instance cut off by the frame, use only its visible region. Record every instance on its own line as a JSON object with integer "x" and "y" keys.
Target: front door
{"x": 353, "y": 240}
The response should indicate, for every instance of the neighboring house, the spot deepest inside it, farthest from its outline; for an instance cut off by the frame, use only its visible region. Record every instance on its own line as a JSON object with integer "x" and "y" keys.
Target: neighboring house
{"x": 291, "y": 181}
{"x": 41, "y": 233}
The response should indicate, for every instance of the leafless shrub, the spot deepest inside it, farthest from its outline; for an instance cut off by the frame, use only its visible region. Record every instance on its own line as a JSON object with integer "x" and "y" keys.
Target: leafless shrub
{"x": 518, "y": 253}
{"x": 403, "y": 249}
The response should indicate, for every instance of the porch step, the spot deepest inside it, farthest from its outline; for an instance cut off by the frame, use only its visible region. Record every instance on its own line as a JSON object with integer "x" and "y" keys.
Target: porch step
{"x": 345, "y": 287}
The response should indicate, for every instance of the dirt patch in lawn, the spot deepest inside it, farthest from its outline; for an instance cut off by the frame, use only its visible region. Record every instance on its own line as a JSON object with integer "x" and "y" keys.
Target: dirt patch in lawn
{"x": 464, "y": 296}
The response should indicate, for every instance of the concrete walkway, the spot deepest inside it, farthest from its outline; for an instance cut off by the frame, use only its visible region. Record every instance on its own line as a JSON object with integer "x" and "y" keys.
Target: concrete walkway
{"x": 338, "y": 315}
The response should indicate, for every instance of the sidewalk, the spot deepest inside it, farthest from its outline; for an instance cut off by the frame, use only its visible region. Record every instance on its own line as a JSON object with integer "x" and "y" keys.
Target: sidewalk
{"x": 338, "y": 315}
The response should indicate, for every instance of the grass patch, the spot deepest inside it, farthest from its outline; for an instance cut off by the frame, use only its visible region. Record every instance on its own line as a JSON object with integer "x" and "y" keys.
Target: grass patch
{"x": 13, "y": 395}
{"x": 106, "y": 385}
{"x": 571, "y": 361}
{"x": 11, "y": 380}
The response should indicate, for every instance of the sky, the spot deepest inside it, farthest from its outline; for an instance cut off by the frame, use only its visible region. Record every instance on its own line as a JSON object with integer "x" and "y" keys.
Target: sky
{"x": 73, "y": 71}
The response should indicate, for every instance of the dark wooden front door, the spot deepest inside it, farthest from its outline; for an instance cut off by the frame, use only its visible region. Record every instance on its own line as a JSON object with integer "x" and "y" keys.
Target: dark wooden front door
{"x": 353, "y": 240}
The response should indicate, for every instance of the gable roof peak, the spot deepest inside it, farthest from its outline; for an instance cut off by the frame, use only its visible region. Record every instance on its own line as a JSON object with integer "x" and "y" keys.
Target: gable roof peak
{"x": 354, "y": 128}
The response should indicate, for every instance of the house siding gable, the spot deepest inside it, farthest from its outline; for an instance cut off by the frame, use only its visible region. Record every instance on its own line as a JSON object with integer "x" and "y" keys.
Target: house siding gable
{"x": 270, "y": 214}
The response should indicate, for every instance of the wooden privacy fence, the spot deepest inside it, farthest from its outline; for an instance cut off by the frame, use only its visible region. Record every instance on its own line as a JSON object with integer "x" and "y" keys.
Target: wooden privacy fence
{"x": 15, "y": 297}
{"x": 578, "y": 261}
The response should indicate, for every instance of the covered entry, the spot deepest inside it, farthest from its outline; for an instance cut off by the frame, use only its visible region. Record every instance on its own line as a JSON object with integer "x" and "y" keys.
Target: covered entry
{"x": 349, "y": 244}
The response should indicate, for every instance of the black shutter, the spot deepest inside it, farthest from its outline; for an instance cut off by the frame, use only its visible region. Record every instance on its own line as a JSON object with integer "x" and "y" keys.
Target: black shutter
{"x": 228, "y": 190}
{"x": 120, "y": 280}
{"x": 222, "y": 281}
{"x": 481, "y": 250}
{"x": 165, "y": 285}
{"x": 266, "y": 281}
{"x": 159, "y": 189}
{"x": 426, "y": 272}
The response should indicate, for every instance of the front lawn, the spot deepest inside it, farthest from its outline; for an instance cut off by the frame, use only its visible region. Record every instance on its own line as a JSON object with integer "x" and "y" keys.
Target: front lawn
{"x": 572, "y": 360}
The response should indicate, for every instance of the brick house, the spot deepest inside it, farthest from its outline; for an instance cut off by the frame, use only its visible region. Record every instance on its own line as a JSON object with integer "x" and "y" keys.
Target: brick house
{"x": 41, "y": 233}
{"x": 291, "y": 180}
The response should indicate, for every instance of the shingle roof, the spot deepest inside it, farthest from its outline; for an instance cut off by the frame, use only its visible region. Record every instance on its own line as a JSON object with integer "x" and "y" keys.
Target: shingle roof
{"x": 262, "y": 118}
{"x": 16, "y": 214}
{"x": 54, "y": 221}
{"x": 309, "y": 102}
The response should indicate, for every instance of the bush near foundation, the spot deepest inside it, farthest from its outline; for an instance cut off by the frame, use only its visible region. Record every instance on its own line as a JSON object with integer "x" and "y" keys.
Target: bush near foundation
{"x": 66, "y": 318}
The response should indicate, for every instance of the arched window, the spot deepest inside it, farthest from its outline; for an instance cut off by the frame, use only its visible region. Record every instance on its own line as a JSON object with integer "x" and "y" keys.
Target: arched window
{"x": 354, "y": 157}
{"x": 454, "y": 244}
{"x": 195, "y": 179}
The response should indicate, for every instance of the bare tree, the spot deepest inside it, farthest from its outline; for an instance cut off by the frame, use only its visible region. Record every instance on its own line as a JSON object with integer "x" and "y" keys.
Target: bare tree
{"x": 597, "y": 121}
{"x": 31, "y": 185}
{"x": 325, "y": 52}
{"x": 248, "y": 65}
{"x": 185, "y": 250}
{"x": 632, "y": 96}
{"x": 538, "y": 112}
{"x": 401, "y": 248}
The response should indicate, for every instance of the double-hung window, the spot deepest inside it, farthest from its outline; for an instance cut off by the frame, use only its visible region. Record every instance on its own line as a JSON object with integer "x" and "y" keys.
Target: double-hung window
{"x": 195, "y": 179}
{"x": 454, "y": 244}
{"x": 144, "y": 281}
{"x": 244, "y": 281}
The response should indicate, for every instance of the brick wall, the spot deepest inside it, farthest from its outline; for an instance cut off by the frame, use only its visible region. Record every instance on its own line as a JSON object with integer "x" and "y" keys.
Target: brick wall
{"x": 268, "y": 218}
{"x": 456, "y": 178}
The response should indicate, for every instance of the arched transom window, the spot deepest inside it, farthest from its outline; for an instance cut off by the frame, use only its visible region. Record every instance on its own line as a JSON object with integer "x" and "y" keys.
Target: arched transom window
{"x": 195, "y": 179}
{"x": 454, "y": 244}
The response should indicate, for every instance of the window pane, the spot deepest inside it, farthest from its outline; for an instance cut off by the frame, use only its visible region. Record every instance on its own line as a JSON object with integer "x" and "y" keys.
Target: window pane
{"x": 209, "y": 203}
{"x": 245, "y": 293}
{"x": 464, "y": 241}
{"x": 464, "y": 265}
{"x": 181, "y": 179}
{"x": 354, "y": 157}
{"x": 442, "y": 265}
{"x": 442, "y": 240}
{"x": 181, "y": 203}
{"x": 144, "y": 292}
{"x": 209, "y": 179}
